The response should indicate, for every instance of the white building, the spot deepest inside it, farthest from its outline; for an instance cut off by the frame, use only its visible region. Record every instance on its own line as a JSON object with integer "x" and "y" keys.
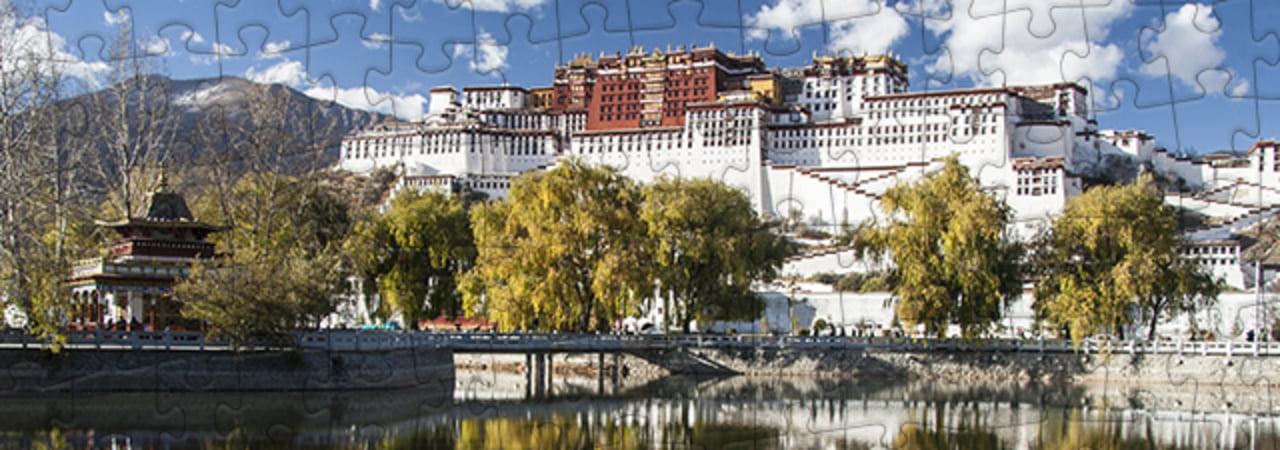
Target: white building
{"x": 824, "y": 141}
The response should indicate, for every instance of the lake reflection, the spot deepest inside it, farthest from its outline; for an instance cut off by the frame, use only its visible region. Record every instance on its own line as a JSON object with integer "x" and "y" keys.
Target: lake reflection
{"x": 739, "y": 412}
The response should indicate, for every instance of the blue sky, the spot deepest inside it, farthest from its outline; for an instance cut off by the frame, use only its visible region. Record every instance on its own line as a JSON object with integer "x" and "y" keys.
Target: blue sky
{"x": 1199, "y": 76}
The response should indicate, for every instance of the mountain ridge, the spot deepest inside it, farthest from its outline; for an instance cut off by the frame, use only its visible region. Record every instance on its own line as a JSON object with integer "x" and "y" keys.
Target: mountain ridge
{"x": 201, "y": 104}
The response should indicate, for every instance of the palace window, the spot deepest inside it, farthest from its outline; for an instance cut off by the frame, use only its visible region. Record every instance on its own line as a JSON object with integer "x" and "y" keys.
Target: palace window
{"x": 1035, "y": 182}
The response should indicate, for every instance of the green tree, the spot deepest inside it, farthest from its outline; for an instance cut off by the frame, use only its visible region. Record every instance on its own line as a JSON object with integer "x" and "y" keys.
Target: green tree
{"x": 255, "y": 295}
{"x": 953, "y": 260}
{"x": 415, "y": 252}
{"x": 1113, "y": 257}
{"x": 564, "y": 252}
{"x": 282, "y": 267}
{"x": 709, "y": 246}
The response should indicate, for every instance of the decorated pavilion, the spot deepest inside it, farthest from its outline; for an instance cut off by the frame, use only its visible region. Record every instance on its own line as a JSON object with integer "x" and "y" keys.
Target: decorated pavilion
{"x": 130, "y": 288}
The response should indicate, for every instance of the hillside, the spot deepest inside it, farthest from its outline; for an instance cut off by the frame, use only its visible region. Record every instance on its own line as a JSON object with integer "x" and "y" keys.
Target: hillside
{"x": 212, "y": 115}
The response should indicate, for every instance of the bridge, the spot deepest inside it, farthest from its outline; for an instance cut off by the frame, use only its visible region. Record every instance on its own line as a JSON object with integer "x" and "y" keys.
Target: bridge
{"x": 477, "y": 342}
{"x": 604, "y": 353}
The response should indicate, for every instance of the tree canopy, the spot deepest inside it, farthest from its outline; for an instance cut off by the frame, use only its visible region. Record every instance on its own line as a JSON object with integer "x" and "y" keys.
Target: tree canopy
{"x": 1113, "y": 258}
{"x": 954, "y": 262}
{"x": 281, "y": 266}
{"x": 563, "y": 252}
{"x": 415, "y": 251}
{"x": 708, "y": 247}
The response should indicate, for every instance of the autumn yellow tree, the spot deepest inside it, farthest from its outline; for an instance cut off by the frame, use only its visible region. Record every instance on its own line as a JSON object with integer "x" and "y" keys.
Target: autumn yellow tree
{"x": 1113, "y": 258}
{"x": 954, "y": 261}
{"x": 708, "y": 246}
{"x": 564, "y": 252}
{"x": 415, "y": 251}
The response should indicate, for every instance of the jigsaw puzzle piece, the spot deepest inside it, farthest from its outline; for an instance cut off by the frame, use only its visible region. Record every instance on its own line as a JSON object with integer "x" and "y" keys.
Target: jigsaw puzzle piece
{"x": 595, "y": 32}
{"x": 855, "y": 27}
{"x": 452, "y": 24}
{"x": 579, "y": 19}
{"x": 669, "y": 28}
{"x": 265, "y": 30}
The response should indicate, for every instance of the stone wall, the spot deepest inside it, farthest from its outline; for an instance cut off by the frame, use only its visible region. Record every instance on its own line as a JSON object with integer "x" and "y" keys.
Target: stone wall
{"x": 1116, "y": 368}
{"x": 36, "y": 371}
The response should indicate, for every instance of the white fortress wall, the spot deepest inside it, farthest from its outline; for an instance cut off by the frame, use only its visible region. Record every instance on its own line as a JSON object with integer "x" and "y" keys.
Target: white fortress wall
{"x": 826, "y": 203}
{"x": 1230, "y": 318}
{"x": 834, "y": 260}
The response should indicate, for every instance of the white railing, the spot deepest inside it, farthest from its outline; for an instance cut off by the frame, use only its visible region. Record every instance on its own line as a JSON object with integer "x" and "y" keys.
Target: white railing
{"x": 349, "y": 340}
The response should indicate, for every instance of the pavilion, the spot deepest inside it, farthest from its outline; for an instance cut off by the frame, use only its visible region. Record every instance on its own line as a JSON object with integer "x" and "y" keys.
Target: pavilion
{"x": 131, "y": 287}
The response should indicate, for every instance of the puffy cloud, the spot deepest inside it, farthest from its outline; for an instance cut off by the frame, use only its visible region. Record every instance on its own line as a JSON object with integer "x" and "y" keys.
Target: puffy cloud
{"x": 1187, "y": 46}
{"x": 223, "y": 50}
{"x": 219, "y": 51}
{"x": 288, "y": 72}
{"x": 116, "y": 18}
{"x": 410, "y": 107}
{"x": 1221, "y": 81}
{"x": 294, "y": 74}
{"x": 156, "y": 47}
{"x": 1241, "y": 89}
{"x": 497, "y": 5}
{"x": 274, "y": 49}
{"x": 856, "y": 26}
{"x": 28, "y": 40}
{"x": 486, "y": 55}
{"x": 1024, "y": 41}
{"x": 192, "y": 36}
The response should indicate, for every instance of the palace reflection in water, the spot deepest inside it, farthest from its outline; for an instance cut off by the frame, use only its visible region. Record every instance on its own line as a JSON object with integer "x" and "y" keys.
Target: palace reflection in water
{"x": 737, "y": 412}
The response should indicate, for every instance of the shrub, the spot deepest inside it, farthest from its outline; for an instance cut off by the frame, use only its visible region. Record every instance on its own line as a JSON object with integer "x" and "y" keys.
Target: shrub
{"x": 826, "y": 278}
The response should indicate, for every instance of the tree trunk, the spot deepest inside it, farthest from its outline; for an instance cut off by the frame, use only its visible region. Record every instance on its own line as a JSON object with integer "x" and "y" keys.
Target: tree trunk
{"x": 1151, "y": 333}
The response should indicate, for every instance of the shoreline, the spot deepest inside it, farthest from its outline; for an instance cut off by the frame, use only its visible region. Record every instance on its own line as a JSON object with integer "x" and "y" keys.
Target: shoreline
{"x": 82, "y": 371}
{"x": 932, "y": 365}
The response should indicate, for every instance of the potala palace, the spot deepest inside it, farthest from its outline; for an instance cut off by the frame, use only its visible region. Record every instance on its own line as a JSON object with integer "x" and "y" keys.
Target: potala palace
{"x": 823, "y": 142}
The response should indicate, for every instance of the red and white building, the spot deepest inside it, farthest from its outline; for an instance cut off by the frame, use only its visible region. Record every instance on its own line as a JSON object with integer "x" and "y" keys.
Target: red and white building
{"x": 824, "y": 140}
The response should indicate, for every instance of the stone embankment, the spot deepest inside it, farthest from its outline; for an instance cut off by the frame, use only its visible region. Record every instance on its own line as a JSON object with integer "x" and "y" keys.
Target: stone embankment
{"x": 142, "y": 361}
{"x": 1164, "y": 365}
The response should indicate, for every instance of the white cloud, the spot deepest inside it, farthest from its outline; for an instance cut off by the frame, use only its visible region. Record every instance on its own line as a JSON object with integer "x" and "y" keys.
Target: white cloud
{"x": 497, "y": 5}
{"x": 374, "y": 4}
{"x": 408, "y": 107}
{"x": 115, "y": 18}
{"x": 375, "y": 40}
{"x": 1187, "y": 46}
{"x": 1221, "y": 81}
{"x": 486, "y": 55}
{"x": 1033, "y": 42}
{"x": 274, "y": 49}
{"x": 220, "y": 49}
{"x": 856, "y": 26}
{"x": 293, "y": 74}
{"x": 286, "y": 72}
{"x": 27, "y": 40}
{"x": 192, "y": 36}
{"x": 157, "y": 47}
{"x": 1241, "y": 89}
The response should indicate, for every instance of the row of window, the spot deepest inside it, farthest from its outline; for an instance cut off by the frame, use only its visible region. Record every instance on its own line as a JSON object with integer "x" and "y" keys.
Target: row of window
{"x": 1209, "y": 251}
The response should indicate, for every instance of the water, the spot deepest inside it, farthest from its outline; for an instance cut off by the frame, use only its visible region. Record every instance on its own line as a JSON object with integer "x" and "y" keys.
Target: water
{"x": 711, "y": 413}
